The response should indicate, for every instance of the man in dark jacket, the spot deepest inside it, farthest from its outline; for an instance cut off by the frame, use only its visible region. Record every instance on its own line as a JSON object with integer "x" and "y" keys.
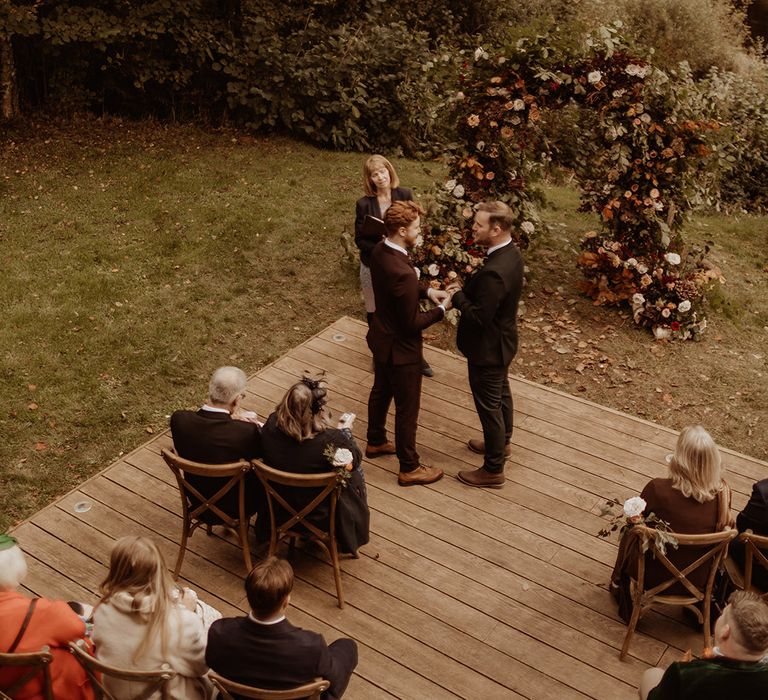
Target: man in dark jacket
{"x": 487, "y": 336}
{"x": 266, "y": 651}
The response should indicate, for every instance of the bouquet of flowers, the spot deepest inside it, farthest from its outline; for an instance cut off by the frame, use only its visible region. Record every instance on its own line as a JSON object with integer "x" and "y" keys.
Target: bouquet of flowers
{"x": 341, "y": 459}
{"x": 631, "y": 514}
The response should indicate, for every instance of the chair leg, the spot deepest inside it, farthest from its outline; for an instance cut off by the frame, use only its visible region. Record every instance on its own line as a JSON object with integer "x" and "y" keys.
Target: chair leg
{"x": 182, "y": 549}
{"x": 707, "y": 603}
{"x": 337, "y": 572}
{"x": 242, "y": 530}
{"x": 630, "y": 630}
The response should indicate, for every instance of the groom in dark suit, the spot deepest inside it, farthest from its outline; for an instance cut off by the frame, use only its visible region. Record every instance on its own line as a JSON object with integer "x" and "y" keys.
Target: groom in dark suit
{"x": 264, "y": 650}
{"x": 487, "y": 336}
{"x": 394, "y": 338}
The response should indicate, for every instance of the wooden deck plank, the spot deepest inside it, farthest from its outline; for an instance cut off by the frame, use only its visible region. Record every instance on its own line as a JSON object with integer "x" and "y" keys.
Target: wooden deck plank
{"x": 461, "y": 592}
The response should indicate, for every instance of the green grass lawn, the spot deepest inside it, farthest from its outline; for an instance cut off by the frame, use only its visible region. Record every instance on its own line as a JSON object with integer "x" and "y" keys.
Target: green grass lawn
{"x": 137, "y": 258}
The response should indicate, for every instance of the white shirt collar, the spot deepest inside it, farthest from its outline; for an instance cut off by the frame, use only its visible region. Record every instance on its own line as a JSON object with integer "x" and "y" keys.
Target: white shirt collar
{"x": 395, "y": 246}
{"x": 496, "y": 247}
{"x": 214, "y": 409}
{"x": 274, "y": 621}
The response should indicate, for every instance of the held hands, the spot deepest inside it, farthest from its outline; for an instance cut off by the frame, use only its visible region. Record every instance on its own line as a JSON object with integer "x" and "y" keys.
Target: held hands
{"x": 440, "y": 296}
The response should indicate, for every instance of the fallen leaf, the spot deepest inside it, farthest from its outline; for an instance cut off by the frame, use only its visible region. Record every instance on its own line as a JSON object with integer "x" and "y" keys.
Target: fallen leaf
{"x": 667, "y": 398}
{"x": 31, "y": 387}
{"x": 32, "y": 406}
{"x": 40, "y": 446}
{"x": 149, "y": 430}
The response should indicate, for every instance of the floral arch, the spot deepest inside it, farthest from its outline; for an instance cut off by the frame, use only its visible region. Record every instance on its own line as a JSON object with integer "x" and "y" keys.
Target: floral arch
{"x": 641, "y": 152}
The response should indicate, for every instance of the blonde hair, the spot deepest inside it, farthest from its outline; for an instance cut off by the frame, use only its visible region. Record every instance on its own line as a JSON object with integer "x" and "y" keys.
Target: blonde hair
{"x": 695, "y": 467}
{"x": 294, "y": 413}
{"x": 747, "y": 612}
{"x": 137, "y": 567}
{"x": 371, "y": 166}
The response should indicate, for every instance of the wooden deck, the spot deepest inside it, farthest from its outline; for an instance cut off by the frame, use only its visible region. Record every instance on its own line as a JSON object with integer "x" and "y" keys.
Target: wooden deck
{"x": 461, "y": 592}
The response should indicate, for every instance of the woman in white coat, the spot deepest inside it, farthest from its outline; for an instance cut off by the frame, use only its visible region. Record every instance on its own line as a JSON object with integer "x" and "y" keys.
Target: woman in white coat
{"x": 144, "y": 620}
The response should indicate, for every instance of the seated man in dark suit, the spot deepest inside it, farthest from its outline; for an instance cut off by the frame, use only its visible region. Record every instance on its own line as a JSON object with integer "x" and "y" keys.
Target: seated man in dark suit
{"x": 265, "y": 650}
{"x": 754, "y": 517}
{"x": 219, "y": 433}
{"x": 736, "y": 668}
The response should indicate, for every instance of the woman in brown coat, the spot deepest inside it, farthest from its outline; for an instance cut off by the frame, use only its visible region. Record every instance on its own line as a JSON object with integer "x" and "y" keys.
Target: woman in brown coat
{"x": 693, "y": 499}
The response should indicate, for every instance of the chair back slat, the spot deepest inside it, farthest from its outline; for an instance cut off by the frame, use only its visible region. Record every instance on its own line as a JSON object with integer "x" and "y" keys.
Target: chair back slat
{"x": 153, "y": 681}
{"x": 195, "y": 506}
{"x": 297, "y": 517}
{"x": 228, "y": 689}
{"x": 755, "y": 549}
{"x": 37, "y": 663}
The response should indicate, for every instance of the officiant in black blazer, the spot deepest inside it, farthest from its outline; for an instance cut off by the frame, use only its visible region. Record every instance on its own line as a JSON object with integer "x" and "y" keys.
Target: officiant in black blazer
{"x": 487, "y": 336}
{"x": 395, "y": 341}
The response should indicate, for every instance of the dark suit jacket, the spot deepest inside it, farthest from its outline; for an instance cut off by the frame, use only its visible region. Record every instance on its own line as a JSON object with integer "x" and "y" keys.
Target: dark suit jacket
{"x": 395, "y": 333}
{"x": 712, "y": 679}
{"x": 487, "y": 333}
{"x": 210, "y": 437}
{"x": 282, "y": 452}
{"x": 754, "y": 517}
{"x": 277, "y": 656}
{"x": 369, "y": 206}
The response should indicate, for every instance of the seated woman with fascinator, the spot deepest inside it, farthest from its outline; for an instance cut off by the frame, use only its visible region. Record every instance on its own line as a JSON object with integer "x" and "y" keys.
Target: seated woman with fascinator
{"x": 694, "y": 500}
{"x": 297, "y": 438}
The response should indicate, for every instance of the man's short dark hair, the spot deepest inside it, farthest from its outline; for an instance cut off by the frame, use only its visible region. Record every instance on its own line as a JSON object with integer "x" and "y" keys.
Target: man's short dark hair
{"x": 749, "y": 618}
{"x": 401, "y": 214}
{"x": 499, "y": 214}
{"x": 267, "y": 586}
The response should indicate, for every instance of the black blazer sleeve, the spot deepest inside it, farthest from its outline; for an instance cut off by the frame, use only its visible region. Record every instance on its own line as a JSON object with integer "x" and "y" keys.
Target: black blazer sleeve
{"x": 755, "y": 514}
{"x": 367, "y": 206}
{"x": 487, "y": 293}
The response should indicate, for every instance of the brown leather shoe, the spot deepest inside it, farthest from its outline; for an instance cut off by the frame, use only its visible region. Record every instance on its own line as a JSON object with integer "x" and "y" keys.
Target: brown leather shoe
{"x": 483, "y": 478}
{"x": 478, "y": 446}
{"x": 423, "y": 474}
{"x": 377, "y": 450}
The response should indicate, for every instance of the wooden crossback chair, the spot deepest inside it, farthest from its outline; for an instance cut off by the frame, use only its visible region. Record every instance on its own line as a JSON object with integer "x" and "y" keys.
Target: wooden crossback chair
{"x": 36, "y": 663}
{"x": 227, "y": 689}
{"x": 154, "y": 681}
{"x": 207, "y": 512}
{"x": 296, "y": 526}
{"x": 755, "y": 548}
{"x": 713, "y": 547}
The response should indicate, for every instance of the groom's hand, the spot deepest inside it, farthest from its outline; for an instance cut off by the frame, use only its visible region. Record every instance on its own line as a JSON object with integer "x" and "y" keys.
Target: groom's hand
{"x": 437, "y": 296}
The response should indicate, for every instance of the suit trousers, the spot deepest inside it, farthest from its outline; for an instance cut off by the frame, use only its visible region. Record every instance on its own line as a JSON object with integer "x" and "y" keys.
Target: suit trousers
{"x": 493, "y": 402}
{"x": 344, "y": 653}
{"x": 403, "y": 383}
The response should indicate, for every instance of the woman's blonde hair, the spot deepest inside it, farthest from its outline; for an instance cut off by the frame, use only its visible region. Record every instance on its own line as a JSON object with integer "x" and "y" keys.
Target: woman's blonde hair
{"x": 695, "y": 467}
{"x": 300, "y": 414}
{"x": 137, "y": 567}
{"x": 371, "y": 166}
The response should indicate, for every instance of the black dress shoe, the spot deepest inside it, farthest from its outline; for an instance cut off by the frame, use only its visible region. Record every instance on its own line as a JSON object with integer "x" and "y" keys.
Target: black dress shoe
{"x": 426, "y": 370}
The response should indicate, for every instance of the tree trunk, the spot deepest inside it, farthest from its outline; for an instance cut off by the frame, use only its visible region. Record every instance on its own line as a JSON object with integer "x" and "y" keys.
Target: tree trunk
{"x": 9, "y": 93}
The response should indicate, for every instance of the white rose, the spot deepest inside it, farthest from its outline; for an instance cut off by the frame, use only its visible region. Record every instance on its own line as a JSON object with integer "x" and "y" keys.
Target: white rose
{"x": 684, "y": 306}
{"x": 342, "y": 457}
{"x": 672, "y": 258}
{"x": 631, "y": 262}
{"x": 458, "y": 191}
{"x": 638, "y": 299}
{"x": 450, "y": 185}
{"x": 527, "y": 227}
{"x": 634, "y": 506}
{"x": 518, "y": 105}
{"x": 418, "y": 273}
{"x": 632, "y": 69}
{"x": 642, "y": 269}
{"x": 419, "y": 241}
{"x": 595, "y": 76}
{"x": 433, "y": 270}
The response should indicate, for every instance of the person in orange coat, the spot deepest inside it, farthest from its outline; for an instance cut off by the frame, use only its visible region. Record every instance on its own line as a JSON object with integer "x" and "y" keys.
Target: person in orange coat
{"x": 52, "y": 623}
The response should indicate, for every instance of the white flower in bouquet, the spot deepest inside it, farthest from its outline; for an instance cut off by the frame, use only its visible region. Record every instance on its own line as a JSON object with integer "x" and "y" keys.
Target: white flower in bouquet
{"x": 418, "y": 273}
{"x": 619, "y": 93}
{"x": 638, "y": 300}
{"x": 595, "y": 76}
{"x": 433, "y": 270}
{"x": 458, "y": 191}
{"x": 450, "y": 185}
{"x": 642, "y": 269}
{"x": 419, "y": 241}
{"x": 631, "y": 262}
{"x": 342, "y": 457}
{"x": 518, "y": 105}
{"x": 634, "y": 507}
{"x": 480, "y": 52}
{"x": 527, "y": 227}
{"x": 684, "y": 306}
{"x": 672, "y": 258}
